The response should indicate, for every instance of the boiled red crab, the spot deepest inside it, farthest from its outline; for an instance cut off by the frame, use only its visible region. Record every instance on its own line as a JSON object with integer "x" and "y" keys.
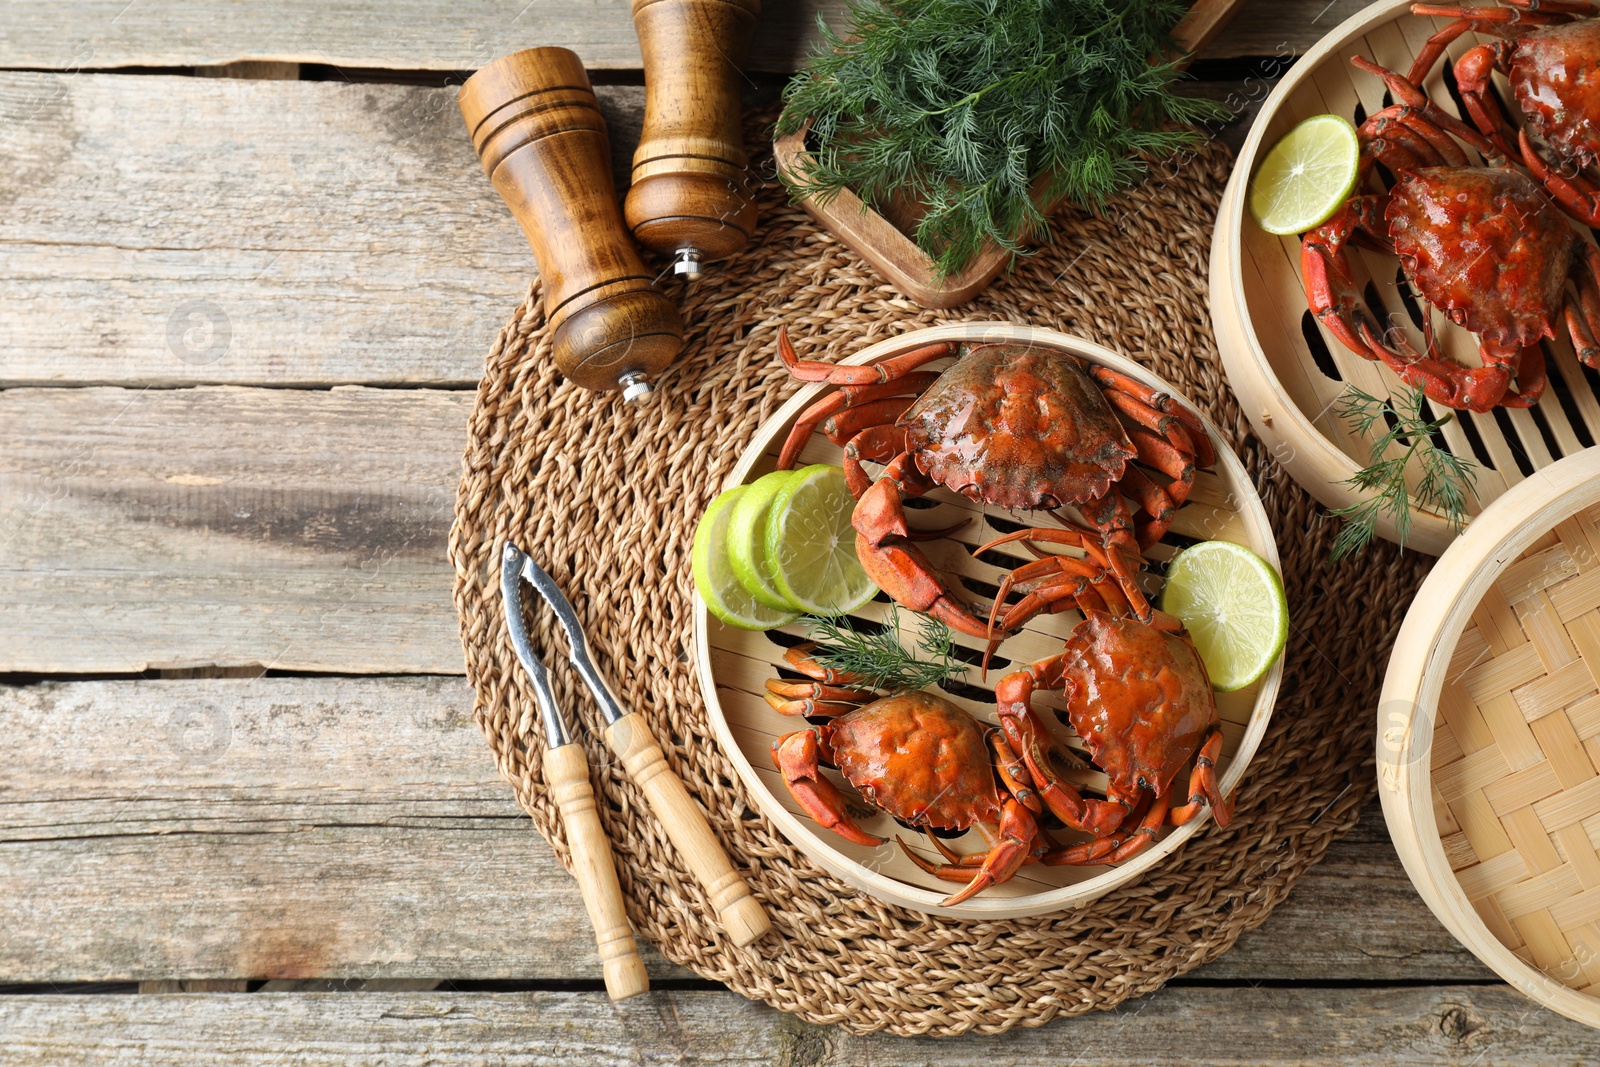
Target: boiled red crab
{"x": 1548, "y": 50}
{"x": 1483, "y": 244}
{"x": 1137, "y": 694}
{"x": 1017, "y": 426}
{"x": 1139, "y": 697}
{"x": 925, "y": 762}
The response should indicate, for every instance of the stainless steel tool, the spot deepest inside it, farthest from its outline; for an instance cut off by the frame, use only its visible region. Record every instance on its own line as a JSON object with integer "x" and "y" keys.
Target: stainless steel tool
{"x": 566, "y": 774}
{"x": 742, "y": 915}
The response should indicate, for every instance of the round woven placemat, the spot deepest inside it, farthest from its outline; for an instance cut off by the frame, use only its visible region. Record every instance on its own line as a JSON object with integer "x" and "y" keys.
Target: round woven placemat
{"x": 607, "y": 497}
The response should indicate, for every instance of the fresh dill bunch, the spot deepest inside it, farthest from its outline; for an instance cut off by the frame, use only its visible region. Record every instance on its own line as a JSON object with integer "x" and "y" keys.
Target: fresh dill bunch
{"x": 974, "y": 107}
{"x": 1445, "y": 483}
{"x": 878, "y": 658}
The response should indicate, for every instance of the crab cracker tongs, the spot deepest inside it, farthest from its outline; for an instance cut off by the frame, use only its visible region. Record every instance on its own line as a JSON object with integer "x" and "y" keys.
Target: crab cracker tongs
{"x": 630, "y": 738}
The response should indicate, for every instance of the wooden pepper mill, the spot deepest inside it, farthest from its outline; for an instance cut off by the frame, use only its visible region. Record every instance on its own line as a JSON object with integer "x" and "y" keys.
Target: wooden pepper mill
{"x": 535, "y": 124}
{"x": 690, "y": 199}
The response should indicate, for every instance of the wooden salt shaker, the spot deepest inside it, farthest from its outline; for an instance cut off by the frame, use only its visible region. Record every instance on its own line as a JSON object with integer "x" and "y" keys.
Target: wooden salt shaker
{"x": 690, "y": 198}
{"x": 537, "y": 128}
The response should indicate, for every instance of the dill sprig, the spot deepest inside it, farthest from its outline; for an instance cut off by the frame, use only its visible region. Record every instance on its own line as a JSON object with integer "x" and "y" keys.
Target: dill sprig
{"x": 878, "y": 656}
{"x": 972, "y": 107}
{"x": 1446, "y": 480}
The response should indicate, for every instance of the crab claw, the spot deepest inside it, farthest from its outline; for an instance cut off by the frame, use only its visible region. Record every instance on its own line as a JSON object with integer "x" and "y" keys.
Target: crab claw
{"x": 900, "y": 569}
{"x": 1014, "y": 848}
{"x": 797, "y": 757}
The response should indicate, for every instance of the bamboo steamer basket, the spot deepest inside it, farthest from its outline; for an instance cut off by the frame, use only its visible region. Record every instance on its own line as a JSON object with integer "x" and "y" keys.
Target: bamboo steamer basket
{"x": 1489, "y": 737}
{"x": 1288, "y": 371}
{"x": 733, "y": 665}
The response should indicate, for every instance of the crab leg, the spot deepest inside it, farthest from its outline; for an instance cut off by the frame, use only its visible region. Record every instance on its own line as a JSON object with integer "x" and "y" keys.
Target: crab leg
{"x": 1032, "y": 741}
{"x": 876, "y": 443}
{"x": 1014, "y": 773}
{"x": 1161, "y": 454}
{"x": 1118, "y": 383}
{"x": 1128, "y": 582}
{"x": 1010, "y": 848}
{"x": 1407, "y": 92}
{"x": 814, "y": 698}
{"x": 1145, "y": 823}
{"x": 901, "y": 569}
{"x": 800, "y": 659}
{"x": 882, "y": 371}
{"x": 852, "y": 420}
{"x": 1575, "y": 194}
{"x": 796, "y": 756}
{"x": 1583, "y": 315}
{"x": 1203, "y": 787}
{"x": 847, "y": 396}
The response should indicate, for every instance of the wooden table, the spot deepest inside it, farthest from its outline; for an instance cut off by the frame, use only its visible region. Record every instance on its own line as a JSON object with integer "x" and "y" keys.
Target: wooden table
{"x": 248, "y": 270}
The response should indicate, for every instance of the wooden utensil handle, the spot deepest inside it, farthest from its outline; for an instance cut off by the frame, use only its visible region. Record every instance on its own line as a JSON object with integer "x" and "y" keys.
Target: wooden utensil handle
{"x": 566, "y": 774}
{"x": 741, "y": 913}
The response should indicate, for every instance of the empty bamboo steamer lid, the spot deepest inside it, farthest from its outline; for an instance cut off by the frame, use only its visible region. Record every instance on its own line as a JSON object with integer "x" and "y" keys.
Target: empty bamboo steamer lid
{"x": 1489, "y": 737}
{"x": 1289, "y": 371}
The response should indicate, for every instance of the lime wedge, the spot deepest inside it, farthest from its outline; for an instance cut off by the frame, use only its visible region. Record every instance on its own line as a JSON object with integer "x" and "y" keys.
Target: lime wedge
{"x": 1232, "y": 602}
{"x": 713, "y": 575}
{"x": 747, "y": 539}
{"x": 811, "y": 545}
{"x": 1306, "y": 176}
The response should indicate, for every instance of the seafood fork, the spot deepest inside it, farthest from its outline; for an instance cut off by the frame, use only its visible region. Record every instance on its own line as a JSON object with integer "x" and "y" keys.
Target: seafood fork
{"x": 629, "y": 736}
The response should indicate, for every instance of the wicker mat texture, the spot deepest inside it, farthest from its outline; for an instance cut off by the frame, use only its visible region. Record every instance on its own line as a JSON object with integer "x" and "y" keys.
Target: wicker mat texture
{"x": 607, "y": 497}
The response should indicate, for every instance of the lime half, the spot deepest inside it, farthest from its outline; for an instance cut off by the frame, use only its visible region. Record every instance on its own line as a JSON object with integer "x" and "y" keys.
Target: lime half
{"x": 1306, "y": 176}
{"x": 713, "y": 575}
{"x": 1232, "y": 602}
{"x": 747, "y": 539}
{"x": 811, "y": 545}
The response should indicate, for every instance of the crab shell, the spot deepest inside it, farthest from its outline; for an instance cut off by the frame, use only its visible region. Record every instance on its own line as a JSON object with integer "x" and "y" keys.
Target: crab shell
{"x": 1018, "y": 426}
{"x": 1486, "y": 245}
{"x": 919, "y": 758}
{"x": 1554, "y": 75}
{"x": 1139, "y": 697}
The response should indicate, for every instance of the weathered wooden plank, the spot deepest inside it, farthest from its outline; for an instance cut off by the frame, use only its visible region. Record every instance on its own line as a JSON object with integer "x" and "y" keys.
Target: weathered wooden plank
{"x": 415, "y": 35}
{"x": 356, "y": 828}
{"x": 271, "y": 828}
{"x": 1447, "y": 1025}
{"x": 165, "y": 230}
{"x": 170, "y": 528}
{"x": 168, "y": 231}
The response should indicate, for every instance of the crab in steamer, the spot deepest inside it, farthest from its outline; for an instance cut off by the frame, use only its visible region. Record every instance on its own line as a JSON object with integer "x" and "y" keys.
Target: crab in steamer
{"x": 1547, "y": 50}
{"x": 1484, "y": 244}
{"x": 1137, "y": 694}
{"x": 1023, "y": 427}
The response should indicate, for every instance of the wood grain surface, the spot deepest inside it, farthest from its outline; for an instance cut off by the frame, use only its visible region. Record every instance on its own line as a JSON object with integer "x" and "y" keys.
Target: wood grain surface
{"x": 354, "y": 828}
{"x": 167, "y": 230}
{"x": 417, "y": 35}
{"x": 1445, "y": 1025}
{"x": 160, "y": 232}
{"x": 294, "y": 529}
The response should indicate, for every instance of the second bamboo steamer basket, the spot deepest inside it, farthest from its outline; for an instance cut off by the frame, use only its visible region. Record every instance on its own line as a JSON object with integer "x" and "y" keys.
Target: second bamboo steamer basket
{"x": 733, "y": 665}
{"x": 1489, "y": 738}
{"x": 1288, "y": 371}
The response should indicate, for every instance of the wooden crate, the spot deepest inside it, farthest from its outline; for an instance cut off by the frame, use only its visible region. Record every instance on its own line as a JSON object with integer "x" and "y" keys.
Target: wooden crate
{"x": 1289, "y": 371}
{"x": 734, "y": 664}
{"x": 1489, "y": 737}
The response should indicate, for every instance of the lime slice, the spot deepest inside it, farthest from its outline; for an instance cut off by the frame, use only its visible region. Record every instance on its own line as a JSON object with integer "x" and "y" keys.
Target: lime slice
{"x": 811, "y": 545}
{"x": 713, "y": 575}
{"x": 747, "y": 539}
{"x": 1232, "y": 602}
{"x": 1306, "y": 176}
